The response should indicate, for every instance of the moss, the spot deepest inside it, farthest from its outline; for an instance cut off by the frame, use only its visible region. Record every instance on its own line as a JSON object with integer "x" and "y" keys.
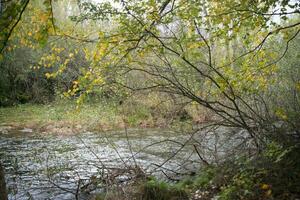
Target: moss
{"x": 158, "y": 190}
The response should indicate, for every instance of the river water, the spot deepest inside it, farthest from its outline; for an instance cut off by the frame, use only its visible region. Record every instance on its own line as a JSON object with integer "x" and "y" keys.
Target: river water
{"x": 50, "y": 166}
{"x": 45, "y": 166}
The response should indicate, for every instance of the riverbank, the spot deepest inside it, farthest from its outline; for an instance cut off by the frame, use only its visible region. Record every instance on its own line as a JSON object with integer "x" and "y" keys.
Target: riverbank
{"x": 64, "y": 117}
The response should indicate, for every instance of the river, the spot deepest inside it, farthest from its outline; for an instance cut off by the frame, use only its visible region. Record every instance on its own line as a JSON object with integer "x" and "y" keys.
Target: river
{"x": 50, "y": 166}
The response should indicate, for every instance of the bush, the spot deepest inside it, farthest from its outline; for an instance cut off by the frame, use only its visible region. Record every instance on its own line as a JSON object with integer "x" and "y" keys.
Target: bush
{"x": 275, "y": 174}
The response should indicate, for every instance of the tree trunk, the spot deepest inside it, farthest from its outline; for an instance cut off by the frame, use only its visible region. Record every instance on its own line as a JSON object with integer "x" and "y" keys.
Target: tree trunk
{"x": 3, "y": 192}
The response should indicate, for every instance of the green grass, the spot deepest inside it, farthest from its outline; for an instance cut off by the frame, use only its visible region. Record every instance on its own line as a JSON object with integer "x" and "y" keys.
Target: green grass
{"x": 160, "y": 190}
{"x": 96, "y": 115}
{"x": 60, "y": 111}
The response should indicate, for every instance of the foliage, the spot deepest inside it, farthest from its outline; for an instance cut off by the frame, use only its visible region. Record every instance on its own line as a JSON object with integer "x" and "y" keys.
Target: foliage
{"x": 273, "y": 175}
{"x": 220, "y": 57}
{"x": 154, "y": 189}
{"x": 204, "y": 178}
{"x": 178, "y": 47}
{"x": 20, "y": 83}
{"x": 29, "y": 58}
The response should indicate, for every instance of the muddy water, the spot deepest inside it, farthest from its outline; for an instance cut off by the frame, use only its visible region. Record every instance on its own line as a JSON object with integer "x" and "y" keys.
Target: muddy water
{"x": 50, "y": 166}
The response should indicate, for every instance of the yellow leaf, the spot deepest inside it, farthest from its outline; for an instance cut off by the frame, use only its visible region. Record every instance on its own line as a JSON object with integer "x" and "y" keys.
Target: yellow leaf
{"x": 48, "y": 75}
{"x": 298, "y": 86}
{"x": 43, "y": 17}
{"x": 281, "y": 113}
{"x": 265, "y": 186}
{"x": 269, "y": 193}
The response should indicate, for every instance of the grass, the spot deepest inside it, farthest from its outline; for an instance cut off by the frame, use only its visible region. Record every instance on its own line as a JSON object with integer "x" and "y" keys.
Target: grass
{"x": 63, "y": 111}
{"x": 140, "y": 111}
{"x": 145, "y": 189}
{"x": 43, "y": 113}
{"x": 93, "y": 115}
{"x": 160, "y": 190}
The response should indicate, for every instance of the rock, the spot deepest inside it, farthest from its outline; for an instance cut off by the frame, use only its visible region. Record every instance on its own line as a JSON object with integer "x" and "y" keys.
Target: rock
{"x": 5, "y": 129}
{"x": 26, "y": 130}
{"x": 78, "y": 126}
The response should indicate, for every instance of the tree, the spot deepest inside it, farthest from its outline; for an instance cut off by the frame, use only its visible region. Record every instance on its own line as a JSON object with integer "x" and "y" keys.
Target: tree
{"x": 217, "y": 54}
{"x": 35, "y": 45}
{"x": 214, "y": 53}
{"x": 11, "y": 14}
{"x": 22, "y": 79}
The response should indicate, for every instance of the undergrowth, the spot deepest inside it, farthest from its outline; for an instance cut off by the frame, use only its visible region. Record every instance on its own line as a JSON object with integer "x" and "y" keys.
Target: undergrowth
{"x": 271, "y": 175}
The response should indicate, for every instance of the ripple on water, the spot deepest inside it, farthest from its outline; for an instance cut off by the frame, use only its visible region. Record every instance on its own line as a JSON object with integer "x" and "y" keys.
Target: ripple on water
{"x": 30, "y": 159}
